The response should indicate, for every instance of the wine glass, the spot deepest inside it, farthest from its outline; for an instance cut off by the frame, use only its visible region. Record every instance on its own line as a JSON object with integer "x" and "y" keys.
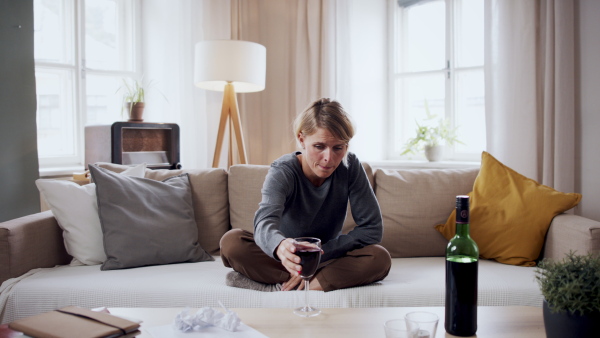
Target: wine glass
{"x": 309, "y": 251}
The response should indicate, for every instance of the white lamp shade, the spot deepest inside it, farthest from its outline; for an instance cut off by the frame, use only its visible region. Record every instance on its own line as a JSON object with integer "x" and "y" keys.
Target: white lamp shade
{"x": 242, "y": 63}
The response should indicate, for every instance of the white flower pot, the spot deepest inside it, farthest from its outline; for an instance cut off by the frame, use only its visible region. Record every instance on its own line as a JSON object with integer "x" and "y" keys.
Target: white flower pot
{"x": 434, "y": 153}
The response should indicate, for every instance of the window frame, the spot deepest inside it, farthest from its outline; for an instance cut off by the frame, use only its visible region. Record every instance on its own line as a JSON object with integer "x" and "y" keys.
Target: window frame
{"x": 451, "y": 72}
{"x": 66, "y": 165}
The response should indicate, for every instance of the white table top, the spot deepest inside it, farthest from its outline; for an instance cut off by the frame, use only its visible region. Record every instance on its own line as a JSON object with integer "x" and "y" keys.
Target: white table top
{"x": 493, "y": 321}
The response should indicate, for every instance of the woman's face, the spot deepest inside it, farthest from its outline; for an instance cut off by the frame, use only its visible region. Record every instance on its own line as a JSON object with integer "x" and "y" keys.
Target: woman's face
{"x": 322, "y": 154}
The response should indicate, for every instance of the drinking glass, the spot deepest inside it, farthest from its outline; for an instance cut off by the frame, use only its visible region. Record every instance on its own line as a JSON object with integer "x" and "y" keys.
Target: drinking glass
{"x": 309, "y": 251}
{"x": 396, "y": 328}
{"x": 421, "y": 324}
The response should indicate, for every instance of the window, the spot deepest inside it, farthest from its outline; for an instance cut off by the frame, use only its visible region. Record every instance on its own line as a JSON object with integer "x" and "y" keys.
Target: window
{"x": 438, "y": 62}
{"x": 83, "y": 51}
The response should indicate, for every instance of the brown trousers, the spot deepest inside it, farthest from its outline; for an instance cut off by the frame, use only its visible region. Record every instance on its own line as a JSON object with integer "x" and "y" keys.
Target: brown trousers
{"x": 358, "y": 267}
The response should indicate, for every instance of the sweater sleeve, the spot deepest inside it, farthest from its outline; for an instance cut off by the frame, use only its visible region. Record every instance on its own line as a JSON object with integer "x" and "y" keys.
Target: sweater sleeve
{"x": 267, "y": 218}
{"x": 365, "y": 211}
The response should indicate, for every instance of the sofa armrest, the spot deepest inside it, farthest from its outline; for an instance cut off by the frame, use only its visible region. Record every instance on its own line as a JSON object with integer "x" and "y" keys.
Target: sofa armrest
{"x": 571, "y": 232}
{"x": 29, "y": 242}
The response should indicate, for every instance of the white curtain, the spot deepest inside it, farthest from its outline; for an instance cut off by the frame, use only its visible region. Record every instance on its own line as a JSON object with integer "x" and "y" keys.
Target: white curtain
{"x": 170, "y": 32}
{"x": 300, "y": 39}
{"x": 530, "y": 88}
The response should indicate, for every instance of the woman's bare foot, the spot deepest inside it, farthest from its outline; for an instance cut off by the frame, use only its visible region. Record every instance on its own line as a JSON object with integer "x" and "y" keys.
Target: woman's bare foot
{"x": 293, "y": 285}
{"x": 315, "y": 285}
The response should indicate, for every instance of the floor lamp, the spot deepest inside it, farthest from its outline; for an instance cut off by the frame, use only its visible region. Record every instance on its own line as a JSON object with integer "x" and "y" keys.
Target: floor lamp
{"x": 230, "y": 66}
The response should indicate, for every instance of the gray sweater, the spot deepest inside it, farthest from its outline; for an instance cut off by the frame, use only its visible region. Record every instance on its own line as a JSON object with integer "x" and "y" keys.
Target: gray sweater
{"x": 292, "y": 206}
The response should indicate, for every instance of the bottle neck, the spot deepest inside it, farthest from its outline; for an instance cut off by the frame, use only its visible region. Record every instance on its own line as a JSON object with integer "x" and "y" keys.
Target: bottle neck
{"x": 462, "y": 229}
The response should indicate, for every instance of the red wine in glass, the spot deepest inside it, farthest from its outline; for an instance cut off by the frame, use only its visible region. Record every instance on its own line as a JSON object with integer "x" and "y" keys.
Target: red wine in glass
{"x": 309, "y": 251}
{"x": 309, "y": 259}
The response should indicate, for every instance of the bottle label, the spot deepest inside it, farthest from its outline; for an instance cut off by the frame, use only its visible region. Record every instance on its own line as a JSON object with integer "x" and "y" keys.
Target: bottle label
{"x": 462, "y": 216}
{"x": 462, "y": 209}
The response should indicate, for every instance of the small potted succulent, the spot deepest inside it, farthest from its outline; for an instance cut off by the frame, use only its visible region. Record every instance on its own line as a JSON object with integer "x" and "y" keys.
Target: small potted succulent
{"x": 431, "y": 139}
{"x": 571, "y": 290}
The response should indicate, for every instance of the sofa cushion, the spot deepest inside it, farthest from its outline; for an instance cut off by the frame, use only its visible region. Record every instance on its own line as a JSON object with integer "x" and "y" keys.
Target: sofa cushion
{"x": 146, "y": 222}
{"x": 510, "y": 213}
{"x": 412, "y": 282}
{"x": 76, "y": 212}
{"x": 210, "y": 198}
{"x": 412, "y": 202}
{"x": 245, "y": 185}
{"x": 349, "y": 223}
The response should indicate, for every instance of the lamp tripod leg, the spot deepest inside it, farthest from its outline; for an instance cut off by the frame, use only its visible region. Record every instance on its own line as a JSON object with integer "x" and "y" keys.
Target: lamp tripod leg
{"x": 221, "y": 132}
{"x": 237, "y": 125}
{"x": 230, "y": 154}
{"x": 230, "y": 110}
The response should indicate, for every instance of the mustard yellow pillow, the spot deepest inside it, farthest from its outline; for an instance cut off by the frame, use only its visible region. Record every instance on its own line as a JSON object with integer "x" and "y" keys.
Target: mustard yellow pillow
{"x": 510, "y": 213}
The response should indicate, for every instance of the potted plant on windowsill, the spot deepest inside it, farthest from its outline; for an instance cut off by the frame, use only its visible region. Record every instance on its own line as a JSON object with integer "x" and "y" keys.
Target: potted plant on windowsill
{"x": 571, "y": 290}
{"x": 431, "y": 139}
{"x": 133, "y": 100}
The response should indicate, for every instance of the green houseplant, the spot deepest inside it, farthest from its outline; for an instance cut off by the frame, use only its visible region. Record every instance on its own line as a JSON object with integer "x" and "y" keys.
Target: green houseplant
{"x": 431, "y": 139}
{"x": 133, "y": 99}
{"x": 571, "y": 289}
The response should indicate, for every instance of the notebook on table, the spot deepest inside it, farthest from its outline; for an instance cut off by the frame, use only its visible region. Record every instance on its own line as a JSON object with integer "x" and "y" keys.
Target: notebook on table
{"x": 73, "y": 321}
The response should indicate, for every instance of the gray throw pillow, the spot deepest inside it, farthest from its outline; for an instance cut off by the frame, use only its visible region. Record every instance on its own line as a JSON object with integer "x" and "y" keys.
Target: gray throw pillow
{"x": 146, "y": 222}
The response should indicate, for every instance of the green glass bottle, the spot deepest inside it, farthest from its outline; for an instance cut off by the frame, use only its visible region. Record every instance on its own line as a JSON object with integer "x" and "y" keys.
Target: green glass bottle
{"x": 462, "y": 261}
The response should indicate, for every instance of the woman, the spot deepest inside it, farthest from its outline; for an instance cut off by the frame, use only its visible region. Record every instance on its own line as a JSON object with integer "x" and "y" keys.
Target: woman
{"x": 306, "y": 194}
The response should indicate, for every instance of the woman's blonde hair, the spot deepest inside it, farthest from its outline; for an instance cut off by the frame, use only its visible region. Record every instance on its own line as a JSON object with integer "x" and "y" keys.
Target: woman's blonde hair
{"x": 327, "y": 114}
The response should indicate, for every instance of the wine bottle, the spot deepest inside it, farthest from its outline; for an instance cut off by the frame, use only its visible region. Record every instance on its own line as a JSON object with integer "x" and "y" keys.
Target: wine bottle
{"x": 462, "y": 261}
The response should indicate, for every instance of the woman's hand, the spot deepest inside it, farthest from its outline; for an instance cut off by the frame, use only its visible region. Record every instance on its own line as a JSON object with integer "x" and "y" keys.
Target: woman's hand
{"x": 285, "y": 252}
{"x": 293, "y": 283}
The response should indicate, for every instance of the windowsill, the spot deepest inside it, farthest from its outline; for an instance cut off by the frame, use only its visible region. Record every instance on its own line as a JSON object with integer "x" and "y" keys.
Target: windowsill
{"x": 405, "y": 164}
{"x": 60, "y": 171}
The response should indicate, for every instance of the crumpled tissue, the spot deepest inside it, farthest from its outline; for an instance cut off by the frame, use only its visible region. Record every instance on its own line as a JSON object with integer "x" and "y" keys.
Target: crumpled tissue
{"x": 187, "y": 322}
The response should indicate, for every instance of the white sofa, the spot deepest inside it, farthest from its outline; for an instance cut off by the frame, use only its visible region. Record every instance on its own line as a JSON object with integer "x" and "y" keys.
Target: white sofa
{"x": 37, "y": 277}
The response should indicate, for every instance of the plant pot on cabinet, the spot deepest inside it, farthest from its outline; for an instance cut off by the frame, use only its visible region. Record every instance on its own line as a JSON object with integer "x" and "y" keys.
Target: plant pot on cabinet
{"x": 567, "y": 324}
{"x": 135, "y": 111}
{"x": 434, "y": 153}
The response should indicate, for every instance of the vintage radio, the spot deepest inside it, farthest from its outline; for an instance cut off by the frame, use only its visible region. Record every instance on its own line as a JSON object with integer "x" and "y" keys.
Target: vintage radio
{"x": 156, "y": 144}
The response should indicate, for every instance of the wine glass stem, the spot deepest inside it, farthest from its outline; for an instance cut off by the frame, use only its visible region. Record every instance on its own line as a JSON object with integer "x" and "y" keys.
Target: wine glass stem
{"x": 306, "y": 283}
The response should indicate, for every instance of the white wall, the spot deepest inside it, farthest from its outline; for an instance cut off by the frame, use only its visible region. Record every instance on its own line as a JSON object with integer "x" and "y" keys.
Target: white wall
{"x": 589, "y": 107}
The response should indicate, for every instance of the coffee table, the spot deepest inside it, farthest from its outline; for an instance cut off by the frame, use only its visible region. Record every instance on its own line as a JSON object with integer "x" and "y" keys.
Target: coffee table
{"x": 493, "y": 321}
